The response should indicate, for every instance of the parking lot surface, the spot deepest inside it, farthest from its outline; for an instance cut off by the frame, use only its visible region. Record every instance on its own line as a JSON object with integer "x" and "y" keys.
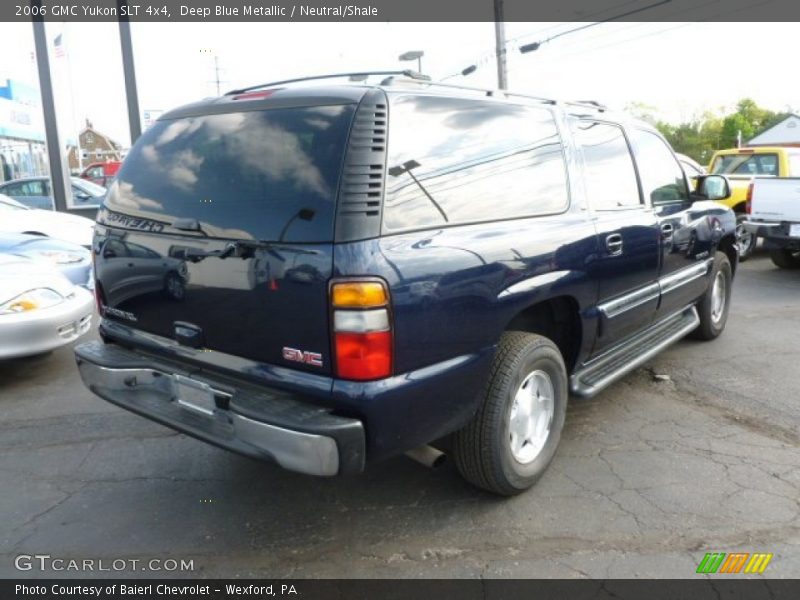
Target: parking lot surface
{"x": 651, "y": 474}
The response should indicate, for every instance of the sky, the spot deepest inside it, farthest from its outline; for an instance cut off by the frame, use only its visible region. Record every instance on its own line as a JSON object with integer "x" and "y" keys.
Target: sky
{"x": 681, "y": 69}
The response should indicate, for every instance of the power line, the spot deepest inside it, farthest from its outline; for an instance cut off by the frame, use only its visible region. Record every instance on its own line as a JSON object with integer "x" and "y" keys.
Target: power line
{"x": 492, "y": 54}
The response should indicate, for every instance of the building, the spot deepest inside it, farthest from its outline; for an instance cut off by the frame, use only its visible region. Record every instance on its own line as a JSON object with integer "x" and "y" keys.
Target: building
{"x": 23, "y": 152}
{"x": 784, "y": 133}
{"x": 95, "y": 147}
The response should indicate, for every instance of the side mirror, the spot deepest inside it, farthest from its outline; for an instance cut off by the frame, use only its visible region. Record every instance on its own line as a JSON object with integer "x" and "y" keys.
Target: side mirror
{"x": 713, "y": 187}
{"x": 83, "y": 196}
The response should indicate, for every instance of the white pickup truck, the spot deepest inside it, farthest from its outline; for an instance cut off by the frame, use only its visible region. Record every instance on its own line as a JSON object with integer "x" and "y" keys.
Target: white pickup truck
{"x": 774, "y": 214}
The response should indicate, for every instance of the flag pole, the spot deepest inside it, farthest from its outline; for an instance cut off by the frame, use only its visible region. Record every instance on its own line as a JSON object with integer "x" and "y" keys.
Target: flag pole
{"x": 75, "y": 123}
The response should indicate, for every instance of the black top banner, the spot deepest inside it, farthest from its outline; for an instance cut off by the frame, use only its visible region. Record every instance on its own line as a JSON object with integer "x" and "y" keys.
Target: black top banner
{"x": 399, "y": 10}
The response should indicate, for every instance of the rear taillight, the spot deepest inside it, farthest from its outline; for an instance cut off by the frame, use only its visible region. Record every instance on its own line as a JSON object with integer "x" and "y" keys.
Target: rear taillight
{"x": 748, "y": 205}
{"x": 362, "y": 330}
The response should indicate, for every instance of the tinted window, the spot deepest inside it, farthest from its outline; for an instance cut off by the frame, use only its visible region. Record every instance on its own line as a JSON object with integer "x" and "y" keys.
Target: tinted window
{"x": 267, "y": 175}
{"x": 661, "y": 174}
{"x": 747, "y": 164}
{"x": 609, "y": 175}
{"x": 14, "y": 189}
{"x": 137, "y": 251}
{"x": 460, "y": 161}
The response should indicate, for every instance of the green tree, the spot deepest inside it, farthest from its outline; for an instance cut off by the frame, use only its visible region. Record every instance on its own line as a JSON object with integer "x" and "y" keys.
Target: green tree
{"x": 703, "y": 135}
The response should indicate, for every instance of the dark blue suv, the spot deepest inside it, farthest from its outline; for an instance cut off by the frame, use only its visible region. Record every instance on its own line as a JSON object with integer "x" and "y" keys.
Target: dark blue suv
{"x": 329, "y": 275}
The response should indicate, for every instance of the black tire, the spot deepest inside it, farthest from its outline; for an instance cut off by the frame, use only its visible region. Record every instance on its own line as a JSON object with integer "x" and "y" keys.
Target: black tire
{"x": 746, "y": 240}
{"x": 785, "y": 258}
{"x": 174, "y": 287}
{"x": 712, "y": 319}
{"x": 482, "y": 449}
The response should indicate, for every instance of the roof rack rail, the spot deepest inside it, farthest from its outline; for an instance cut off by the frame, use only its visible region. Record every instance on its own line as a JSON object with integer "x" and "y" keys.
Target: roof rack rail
{"x": 485, "y": 91}
{"x": 598, "y": 106}
{"x": 412, "y": 75}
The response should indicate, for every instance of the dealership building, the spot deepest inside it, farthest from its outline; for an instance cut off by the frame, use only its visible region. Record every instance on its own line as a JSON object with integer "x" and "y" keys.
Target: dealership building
{"x": 22, "y": 141}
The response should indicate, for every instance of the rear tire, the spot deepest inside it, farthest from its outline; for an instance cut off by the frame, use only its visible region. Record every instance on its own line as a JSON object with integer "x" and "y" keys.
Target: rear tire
{"x": 785, "y": 258}
{"x": 714, "y": 306}
{"x": 512, "y": 438}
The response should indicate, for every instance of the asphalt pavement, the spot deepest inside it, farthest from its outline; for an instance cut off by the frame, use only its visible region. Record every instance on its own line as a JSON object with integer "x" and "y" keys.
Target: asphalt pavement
{"x": 651, "y": 474}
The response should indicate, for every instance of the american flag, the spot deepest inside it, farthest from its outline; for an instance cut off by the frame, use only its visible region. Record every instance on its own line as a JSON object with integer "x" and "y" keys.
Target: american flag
{"x": 58, "y": 43}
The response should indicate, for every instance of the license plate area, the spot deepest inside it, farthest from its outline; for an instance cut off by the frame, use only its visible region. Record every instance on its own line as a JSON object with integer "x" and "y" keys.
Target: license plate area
{"x": 194, "y": 395}
{"x": 794, "y": 230}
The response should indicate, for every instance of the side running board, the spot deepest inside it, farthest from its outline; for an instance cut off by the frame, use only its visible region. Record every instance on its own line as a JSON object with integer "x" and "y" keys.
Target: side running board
{"x": 609, "y": 367}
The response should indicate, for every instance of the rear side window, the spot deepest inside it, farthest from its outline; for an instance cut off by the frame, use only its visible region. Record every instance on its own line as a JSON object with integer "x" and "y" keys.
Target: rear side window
{"x": 609, "y": 175}
{"x": 455, "y": 160}
{"x": 267, "y": 175}
{"x": 661, "y": 173}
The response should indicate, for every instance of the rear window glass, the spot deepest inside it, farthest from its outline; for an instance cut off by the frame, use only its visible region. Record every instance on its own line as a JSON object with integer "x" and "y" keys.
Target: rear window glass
{"x": 746, "y": 164}
{"x": 267, "y": 175}
{"x": 455, "y": 161}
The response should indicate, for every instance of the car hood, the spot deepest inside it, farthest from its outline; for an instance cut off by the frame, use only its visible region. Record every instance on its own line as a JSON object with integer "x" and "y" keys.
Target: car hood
{"x": 61, "y": 226}
{"x": 19, "y": 274}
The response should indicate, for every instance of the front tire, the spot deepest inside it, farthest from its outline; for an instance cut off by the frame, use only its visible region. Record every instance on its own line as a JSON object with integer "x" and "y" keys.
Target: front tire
{"x": 746, "y": 240}
{"x": 174, "y": 287}
{"x": 512, "y": 438}
{"x": 785, "y": 258}
{"x": 714, "y": 306}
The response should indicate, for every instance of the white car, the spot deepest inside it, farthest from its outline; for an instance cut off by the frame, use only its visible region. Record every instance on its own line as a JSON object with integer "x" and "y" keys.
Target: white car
{"x": 40, "y": 309}
{"x": 18, "y": 218}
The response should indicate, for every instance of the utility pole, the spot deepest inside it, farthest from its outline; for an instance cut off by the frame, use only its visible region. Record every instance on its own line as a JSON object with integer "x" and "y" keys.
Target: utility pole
{"x": 217, "y": 81}
{"x": 216, "y": 72}
{"x": 62, "y": 191}
{"x": 129, "y": 72}
{"x": 500, "y": 45}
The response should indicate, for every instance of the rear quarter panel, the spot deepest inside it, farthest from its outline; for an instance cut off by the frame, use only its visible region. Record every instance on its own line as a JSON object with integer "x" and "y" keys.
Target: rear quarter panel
{"x": 454, "y": 290}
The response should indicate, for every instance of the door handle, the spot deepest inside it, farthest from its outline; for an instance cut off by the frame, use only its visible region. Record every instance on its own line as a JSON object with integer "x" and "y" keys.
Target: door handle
{"x": 666, "y": 231}
{"x": 130, "y": 264}
{"x": 614, "y": 244}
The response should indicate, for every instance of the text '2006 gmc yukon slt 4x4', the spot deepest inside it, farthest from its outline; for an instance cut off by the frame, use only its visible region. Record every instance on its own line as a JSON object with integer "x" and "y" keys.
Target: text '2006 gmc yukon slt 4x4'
{"x": 326, "y": 276}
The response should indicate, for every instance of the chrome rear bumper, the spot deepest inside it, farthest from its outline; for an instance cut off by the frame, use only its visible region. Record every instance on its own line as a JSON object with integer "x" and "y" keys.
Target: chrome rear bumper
{"x": 265, "y": 424}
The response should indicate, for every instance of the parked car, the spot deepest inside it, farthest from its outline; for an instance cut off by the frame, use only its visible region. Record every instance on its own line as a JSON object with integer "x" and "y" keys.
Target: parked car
{"x": 131, "y": 270}
{"x": 427, "y": 262}
{"x": 36, "y": 192}
{"x": 101, "y": 173}
{"x": 74, "y": 262}
{"x": 40, "y": 309}
{"x": 693, "y": 169}
{"x": 774, "y": 214}
{"x": 15, "y": 217}
{"x": 740, "y": 165}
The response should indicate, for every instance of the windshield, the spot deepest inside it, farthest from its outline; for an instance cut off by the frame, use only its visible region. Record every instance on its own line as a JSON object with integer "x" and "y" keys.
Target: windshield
{"x": 87, "y": 186}
{"x": 268, "y": 175}
{"x": 746, "y": 164}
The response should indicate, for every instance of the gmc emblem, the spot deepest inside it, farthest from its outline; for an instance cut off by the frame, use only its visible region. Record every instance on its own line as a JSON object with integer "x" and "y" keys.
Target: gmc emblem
{"x": 308, "y": 358}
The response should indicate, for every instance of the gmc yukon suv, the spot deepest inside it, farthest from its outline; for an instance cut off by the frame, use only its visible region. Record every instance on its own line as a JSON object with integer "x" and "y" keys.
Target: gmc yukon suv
{"x": 351, "y": 272}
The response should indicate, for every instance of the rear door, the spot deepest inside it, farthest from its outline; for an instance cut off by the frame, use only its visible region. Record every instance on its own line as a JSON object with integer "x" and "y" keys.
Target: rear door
{"x": 231, "y": 215}
{"x": 626, "y": 267}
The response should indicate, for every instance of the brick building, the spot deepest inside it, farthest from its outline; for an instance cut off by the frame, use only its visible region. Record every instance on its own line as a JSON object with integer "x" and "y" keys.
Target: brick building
{"x": 95, "y": 147}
